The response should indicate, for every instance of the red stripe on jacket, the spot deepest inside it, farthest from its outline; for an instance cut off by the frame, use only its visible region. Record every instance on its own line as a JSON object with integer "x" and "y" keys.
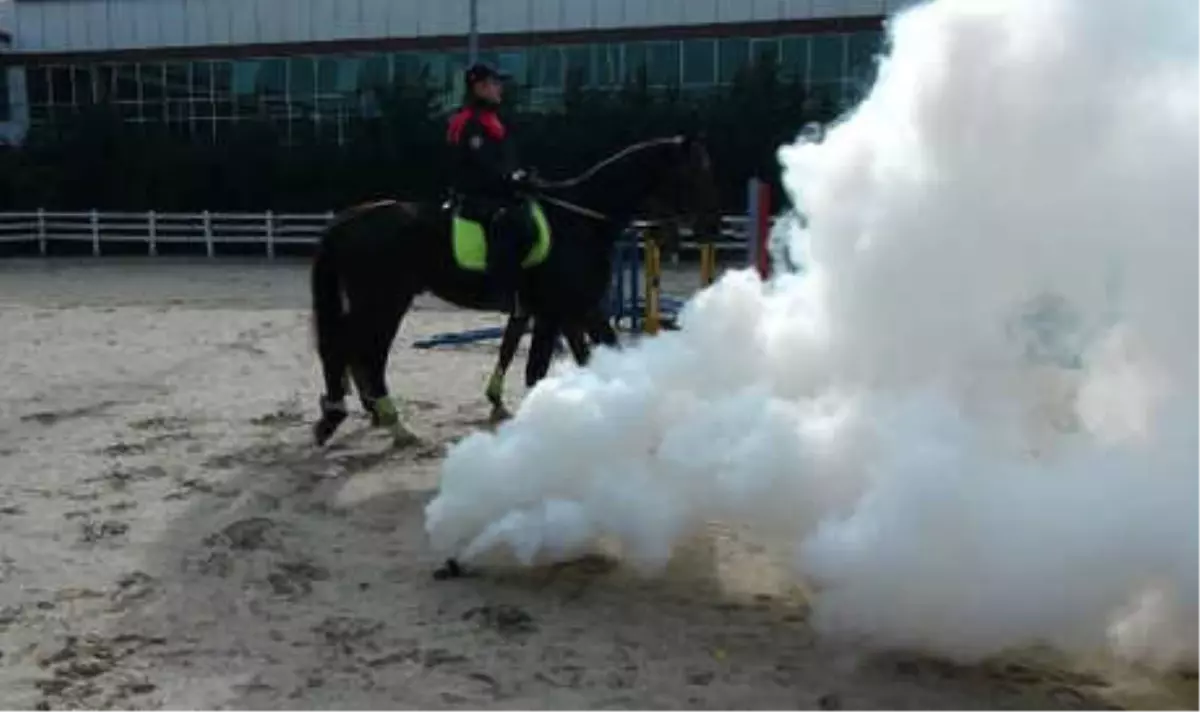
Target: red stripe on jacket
{"x": 487, "y": 119}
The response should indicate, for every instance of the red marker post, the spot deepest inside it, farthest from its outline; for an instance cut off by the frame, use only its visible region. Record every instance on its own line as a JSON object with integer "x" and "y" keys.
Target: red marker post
{"x": 759, "y": 201}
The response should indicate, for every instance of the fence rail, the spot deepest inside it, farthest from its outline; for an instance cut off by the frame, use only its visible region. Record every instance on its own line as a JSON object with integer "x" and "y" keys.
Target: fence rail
{"x": 265, "y": 232}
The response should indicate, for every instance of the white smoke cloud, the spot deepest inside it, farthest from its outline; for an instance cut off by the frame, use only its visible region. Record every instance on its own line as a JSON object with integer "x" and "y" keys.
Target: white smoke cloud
{"x": 974, "y": 414}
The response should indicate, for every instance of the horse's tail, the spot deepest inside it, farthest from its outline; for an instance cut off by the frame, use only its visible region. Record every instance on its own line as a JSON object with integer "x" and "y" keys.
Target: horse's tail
{"x": 328, "y": 318}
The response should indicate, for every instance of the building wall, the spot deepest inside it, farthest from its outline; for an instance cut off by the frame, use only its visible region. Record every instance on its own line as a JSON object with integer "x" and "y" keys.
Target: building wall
{"x": 317, "y": 66}
{"x": 58, "y": 26}
{"x": 323, "y": 93}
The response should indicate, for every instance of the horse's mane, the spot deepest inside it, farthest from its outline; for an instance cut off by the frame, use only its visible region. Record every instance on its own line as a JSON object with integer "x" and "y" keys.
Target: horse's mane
{"x": 354, "y": 211}
{"x": 612, "y": 160}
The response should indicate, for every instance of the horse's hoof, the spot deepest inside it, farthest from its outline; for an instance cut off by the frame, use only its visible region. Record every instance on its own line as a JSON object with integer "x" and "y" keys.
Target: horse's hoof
{"x": 449, "y": 570}
{"x": 499, "y": 414}
{"x": 404, "y": 438}
{"x": 324, "y": 428}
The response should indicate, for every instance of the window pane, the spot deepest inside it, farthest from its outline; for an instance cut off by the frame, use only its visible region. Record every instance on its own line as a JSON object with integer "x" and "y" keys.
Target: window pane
{"x": 5, "y": 109}
{"x": 201, "y": 80}
{"x": 664, "y": 64}
{"x": 636, "y": 61}
{"x": 406, "y": 69}
{"x": 734, "y": 54}
{"x": 434, "y": 69}
{"x": 373, "y": 72}
{"x": 245, "y": 78}
{"x": 202, "y": 110}
{"x": 302, "y": 80}
{"x": 607, "y": 64}
{"x": 153, "y": 87}
{"x": 579, "y": 64}
{"x": 328, "y": 130}
{"x": 81, "y": 79}
{"x": 83, "y": 85}
{"x": 178, "y": 81}
{"x": 130, "y": 111}
{"x": 514, "y": 64}
{"x": 127, "y": 82}
{"x": 699, "y": 62}
{"x": 222, "y": 79}
{"x": 104, "y": 76}
{"x": 272, "y": 78}
{"x": 177, "y": 113}
{"x": 794, "y": 58}
{"x": 546, "y": 68}
{"x": 327, "y": 74}
{"x": 488, "y": 57}
{"x": 828, "y": 55}
{"x": 853, "y": 92}
{"x": 863, "y": 49}
{"x": 37, "y": 85}
{"x": 303, "y": 132}
{"x": 338, "y": 75}
{"x": 62, "y": 91}
{"x": 765, "y": 51}
{"x": 456, "y": 65}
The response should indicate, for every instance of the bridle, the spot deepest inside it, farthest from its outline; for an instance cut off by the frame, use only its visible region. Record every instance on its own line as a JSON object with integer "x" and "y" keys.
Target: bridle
{"x": 591, "y": 172}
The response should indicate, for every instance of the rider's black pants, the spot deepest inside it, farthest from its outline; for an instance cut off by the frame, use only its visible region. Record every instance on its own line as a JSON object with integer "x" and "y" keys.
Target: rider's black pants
{"x": 511, "y": 236}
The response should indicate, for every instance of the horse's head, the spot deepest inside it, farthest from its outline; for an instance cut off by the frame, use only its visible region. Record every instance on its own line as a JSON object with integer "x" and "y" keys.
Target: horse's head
{"x": 683, "y": 188}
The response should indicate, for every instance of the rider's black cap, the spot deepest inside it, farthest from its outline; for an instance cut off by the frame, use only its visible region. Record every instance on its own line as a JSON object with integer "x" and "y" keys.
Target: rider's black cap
{"x": 480, "y": 71}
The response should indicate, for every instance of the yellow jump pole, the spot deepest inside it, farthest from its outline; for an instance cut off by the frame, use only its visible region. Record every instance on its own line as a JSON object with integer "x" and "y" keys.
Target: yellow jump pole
{"x": 653, "y": 320}
{"x": 708, "y": 264}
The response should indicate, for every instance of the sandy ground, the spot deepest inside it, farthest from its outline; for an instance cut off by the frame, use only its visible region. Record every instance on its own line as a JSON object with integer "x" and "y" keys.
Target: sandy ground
{"x": 169, "y": 537}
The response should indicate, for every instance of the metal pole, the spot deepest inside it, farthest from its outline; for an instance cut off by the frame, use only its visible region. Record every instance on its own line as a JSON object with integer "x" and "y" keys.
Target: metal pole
{"x": 473, "y": 34}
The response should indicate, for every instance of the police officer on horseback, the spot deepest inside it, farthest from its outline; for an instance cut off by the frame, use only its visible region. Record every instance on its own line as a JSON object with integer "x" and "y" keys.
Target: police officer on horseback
{"x": 489, "y": 183}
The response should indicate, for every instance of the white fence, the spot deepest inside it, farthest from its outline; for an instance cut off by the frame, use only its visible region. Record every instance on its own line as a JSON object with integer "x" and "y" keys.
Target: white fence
{"x": 268, "y": 231}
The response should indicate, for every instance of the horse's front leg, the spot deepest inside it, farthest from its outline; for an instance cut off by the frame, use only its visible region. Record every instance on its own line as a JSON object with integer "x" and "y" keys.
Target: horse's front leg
{"x": 514, "y": 329}
{"x": 541, "y": 351}
{"x": 577, "y": 342}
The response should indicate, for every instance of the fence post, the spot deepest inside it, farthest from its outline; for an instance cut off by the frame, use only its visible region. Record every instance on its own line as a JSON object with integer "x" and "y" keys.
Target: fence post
{"x": 708, "y": 264}
{"x": 270, "y": 235}
{"x": 208, "y": 236}
{"x": 152, "y": 224}
{"x": 758, "y": 228}
{"x": 95, "y": 233}
{"x": 764, "y": 229}
{"x": 653, "y": 266}
{"x": 41, "y": 231}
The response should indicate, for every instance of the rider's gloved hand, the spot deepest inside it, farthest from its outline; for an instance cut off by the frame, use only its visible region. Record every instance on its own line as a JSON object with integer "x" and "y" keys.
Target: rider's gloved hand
{"x": 521, "y": 179}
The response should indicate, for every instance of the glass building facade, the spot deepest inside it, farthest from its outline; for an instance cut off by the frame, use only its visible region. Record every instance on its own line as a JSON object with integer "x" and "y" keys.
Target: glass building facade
{"x": 323, "y": 95}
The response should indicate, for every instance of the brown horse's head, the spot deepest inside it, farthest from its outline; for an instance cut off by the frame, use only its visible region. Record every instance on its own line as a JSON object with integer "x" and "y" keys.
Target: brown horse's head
{"x": 685, "y": 191}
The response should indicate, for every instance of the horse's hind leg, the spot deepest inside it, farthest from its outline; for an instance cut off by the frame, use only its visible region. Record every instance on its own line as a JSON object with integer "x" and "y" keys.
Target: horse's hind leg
{"x": 578, "y": 344}
{"x": 600, "y": 329}
{"x": 376, "y": 324}
{"x": 541, "y": 351}
{"x": 356, "y": 374}
{"x": 514, "y": 329}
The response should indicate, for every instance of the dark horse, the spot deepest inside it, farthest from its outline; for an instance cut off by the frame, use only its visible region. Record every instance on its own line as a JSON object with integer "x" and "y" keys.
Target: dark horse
{"x": 374, "y": 259}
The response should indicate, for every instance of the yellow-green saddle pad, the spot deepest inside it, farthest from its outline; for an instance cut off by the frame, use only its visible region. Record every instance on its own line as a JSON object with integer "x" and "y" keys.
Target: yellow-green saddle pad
{"x": 470, "y": 241}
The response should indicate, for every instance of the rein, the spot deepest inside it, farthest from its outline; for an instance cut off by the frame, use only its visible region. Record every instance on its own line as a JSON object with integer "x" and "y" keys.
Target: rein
{"x": 572, "y": 207}
{"x": 591, "y": 172}
{"x": 619, "y": 155}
